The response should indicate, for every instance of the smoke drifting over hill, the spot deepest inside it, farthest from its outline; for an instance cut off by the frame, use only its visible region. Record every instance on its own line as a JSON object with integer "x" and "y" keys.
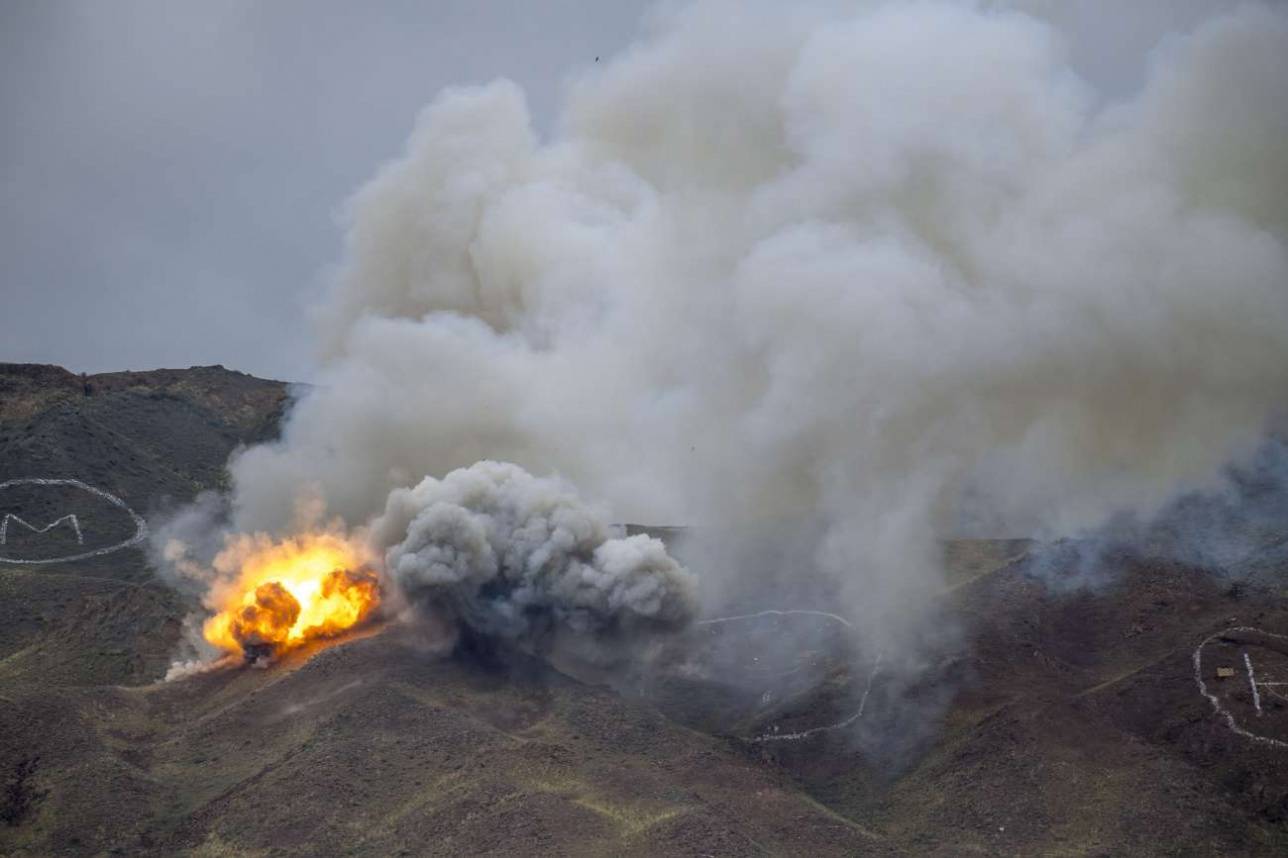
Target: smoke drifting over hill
{"x": 885, "y": 268}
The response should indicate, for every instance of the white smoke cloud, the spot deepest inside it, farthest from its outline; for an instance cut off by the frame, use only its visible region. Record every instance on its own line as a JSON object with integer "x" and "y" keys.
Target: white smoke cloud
{"x": 513, "y": 555}
{"x": 846, "y": 265}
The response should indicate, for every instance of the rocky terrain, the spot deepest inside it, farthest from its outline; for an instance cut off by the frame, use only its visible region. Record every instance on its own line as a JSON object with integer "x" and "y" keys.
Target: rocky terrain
{"x": 1114, "y": 720}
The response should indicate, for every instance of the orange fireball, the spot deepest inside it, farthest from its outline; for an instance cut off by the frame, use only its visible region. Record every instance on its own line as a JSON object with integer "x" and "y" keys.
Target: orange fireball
{"x": 287, "y": 592}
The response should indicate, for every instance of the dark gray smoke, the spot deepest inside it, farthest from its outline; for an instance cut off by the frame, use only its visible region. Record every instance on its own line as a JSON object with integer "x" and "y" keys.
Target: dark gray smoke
{"x": 517, "y": 556}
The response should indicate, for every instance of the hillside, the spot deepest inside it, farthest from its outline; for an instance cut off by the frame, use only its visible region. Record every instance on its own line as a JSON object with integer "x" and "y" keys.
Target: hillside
{"x": 1066, "y": 723}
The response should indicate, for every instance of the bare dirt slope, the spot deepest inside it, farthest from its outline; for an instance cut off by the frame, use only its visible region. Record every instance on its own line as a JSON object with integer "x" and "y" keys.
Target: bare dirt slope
{"x": 1069, "y": 724}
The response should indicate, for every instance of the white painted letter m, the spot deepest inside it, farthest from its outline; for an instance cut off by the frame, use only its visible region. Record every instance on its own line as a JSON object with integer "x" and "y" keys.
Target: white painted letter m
{"x": 71, "y": 519}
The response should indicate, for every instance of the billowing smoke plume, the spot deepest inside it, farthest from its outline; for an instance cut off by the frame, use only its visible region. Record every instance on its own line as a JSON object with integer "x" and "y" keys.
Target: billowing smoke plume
{"x": 518, "y": 557}
{"x": 889, "y": 268}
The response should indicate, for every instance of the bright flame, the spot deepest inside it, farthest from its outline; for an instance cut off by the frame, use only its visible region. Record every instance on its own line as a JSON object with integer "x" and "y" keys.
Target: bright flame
{"x": 285, "y": 593}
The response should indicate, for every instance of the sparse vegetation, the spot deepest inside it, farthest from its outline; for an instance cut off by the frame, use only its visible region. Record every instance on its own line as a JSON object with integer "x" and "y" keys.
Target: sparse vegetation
{"x": 21, "y": 795}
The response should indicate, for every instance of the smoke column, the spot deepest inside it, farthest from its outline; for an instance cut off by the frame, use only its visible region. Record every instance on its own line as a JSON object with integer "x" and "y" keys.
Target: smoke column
{"x": 891, "y": 269}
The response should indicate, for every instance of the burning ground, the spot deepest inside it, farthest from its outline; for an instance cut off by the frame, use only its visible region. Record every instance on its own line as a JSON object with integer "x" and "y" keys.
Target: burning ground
{"x": 285, "y": 594}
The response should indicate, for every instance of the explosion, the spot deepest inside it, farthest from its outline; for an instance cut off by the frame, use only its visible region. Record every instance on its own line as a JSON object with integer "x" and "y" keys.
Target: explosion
{"x": 503, "y": 553}
{"x": 304, "y": 588}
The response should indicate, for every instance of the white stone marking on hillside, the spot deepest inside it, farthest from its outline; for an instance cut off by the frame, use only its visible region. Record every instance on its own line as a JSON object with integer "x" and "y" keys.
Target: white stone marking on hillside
{"x": 1220, "y": 710}
{"x": 71, "y": 517}
{"x": 1252, "y": 683}
{"x": 839, "y": 725}
{"x": 805, "y": 734}
{"x": 773, "y": 613}
{"x": 140, "y": 526}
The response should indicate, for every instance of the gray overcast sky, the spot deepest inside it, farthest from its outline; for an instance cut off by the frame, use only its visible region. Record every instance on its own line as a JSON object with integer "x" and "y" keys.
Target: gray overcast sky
{"x": 170, "y": 171}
